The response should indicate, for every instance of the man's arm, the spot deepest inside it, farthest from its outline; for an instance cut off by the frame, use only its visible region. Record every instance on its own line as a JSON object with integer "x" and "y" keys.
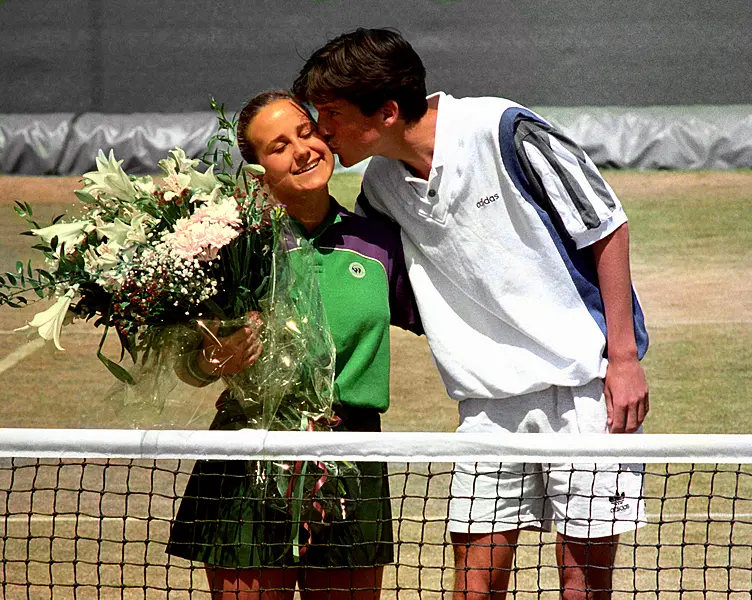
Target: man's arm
{"x": 566, "y": 182}
{"x": 364, "y": 208}
{"x": 625, "y": 386}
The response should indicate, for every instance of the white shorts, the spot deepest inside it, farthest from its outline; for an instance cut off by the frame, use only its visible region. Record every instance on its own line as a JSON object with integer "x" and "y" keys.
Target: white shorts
{"x": 583, "y": 500}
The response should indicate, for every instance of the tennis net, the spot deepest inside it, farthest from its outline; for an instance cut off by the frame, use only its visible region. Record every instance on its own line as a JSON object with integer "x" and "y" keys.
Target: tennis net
{"x": 88, "y": 513}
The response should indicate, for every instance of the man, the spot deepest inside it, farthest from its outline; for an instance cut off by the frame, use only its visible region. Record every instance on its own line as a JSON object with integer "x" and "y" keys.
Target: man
{"x": 519, "y": 258}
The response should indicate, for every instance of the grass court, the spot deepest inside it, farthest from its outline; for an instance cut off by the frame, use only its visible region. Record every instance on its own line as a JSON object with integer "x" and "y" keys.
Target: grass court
{"x": 692, "y": 265}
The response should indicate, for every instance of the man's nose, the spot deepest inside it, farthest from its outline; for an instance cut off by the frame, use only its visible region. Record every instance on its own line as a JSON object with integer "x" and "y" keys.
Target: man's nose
{"x": 324, "y": 127}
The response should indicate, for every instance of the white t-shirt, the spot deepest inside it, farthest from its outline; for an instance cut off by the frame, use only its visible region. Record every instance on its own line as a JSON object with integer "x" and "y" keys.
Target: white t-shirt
{"x": 494, "y": 246}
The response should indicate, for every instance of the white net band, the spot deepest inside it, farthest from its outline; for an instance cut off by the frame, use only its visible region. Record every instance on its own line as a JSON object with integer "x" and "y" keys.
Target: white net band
{"x": 414, "y": 447}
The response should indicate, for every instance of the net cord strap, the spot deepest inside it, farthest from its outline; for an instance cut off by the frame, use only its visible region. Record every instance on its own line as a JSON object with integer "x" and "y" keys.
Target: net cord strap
{"x": 383, "y": 446}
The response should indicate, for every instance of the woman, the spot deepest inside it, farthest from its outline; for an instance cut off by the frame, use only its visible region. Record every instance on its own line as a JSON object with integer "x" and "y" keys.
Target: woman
{"x": 364, "y": 287}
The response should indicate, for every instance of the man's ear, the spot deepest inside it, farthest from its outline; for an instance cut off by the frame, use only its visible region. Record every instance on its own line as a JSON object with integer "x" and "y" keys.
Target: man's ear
{"x": 390, "y": 113}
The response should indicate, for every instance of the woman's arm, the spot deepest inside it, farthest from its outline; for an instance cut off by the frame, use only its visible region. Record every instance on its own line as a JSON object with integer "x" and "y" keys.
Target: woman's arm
{"x": 219, "y": 356}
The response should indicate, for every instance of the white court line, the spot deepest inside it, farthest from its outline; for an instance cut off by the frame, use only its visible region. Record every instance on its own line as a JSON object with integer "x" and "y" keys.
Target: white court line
{"x": 19, "y": 354}
{"x": 68, "y": 331}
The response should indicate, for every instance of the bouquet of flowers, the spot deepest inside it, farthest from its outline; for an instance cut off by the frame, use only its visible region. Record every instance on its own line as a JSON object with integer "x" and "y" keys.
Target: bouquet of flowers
{"x": 159, "y": 262}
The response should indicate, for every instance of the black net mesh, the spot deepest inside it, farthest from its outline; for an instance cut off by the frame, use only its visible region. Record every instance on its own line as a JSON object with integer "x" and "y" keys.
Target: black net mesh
{"x": 100, "y": 528}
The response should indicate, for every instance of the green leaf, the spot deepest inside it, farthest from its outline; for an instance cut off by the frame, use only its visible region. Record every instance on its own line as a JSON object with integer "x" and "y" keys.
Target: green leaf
{"x": 29, "y": 270}
{"x": 22, "y": 209}
{"x": 11, "y": 278}
{"x": 85, "y": 197}
{"x": 259, "y": 291}
{"x": 119, "y": 372}
{"x": 19, "y": 302}
{"x": 116, "y": 369}
{"x": 29, "y": 233}
{"x": 57, "y": 218}
{"x": 224, "y": 178}
{"x": 19, "y": 267}
{"x": 46, "y": 275}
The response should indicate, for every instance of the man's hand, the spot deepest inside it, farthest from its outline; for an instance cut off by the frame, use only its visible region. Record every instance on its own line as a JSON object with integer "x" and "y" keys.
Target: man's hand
{"x": 625, "y": 387}
{"x": 626, "y": 392}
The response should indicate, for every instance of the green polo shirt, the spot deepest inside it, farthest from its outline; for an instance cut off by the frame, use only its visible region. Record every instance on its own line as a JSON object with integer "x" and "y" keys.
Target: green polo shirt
{"x": 361, "y": 274}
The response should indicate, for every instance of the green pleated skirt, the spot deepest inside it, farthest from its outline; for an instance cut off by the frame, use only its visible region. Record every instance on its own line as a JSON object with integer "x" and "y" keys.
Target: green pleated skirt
{"x": 226, "y": 519}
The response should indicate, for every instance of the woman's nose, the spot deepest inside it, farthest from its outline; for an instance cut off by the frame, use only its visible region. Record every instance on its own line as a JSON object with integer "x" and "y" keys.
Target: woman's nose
{"x": 301, "y": 149}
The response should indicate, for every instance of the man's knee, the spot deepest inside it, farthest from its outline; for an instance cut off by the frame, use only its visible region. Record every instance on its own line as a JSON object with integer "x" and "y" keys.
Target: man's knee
{"x": 586, "y": 567}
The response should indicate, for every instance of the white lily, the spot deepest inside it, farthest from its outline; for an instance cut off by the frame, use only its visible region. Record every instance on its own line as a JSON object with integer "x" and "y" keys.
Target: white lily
{"x": 145, "y": 185}
{"x": 179, "y": 162}
{"x": 109, "y": 179}
{"x": 50, "y": 322}
{"x": 213, "y": 197}
{"x": 139, "y": 226}
{"x": 175, "y": 183}
{"x": 67, "y": 234}
{"x": 108, "y": 254}
{"x": 205, "y": 182}
{"x": 117, "y": 231}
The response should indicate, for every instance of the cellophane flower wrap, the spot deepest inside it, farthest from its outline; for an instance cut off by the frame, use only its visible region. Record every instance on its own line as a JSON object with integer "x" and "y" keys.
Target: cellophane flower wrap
{"x": 164, "y": 263}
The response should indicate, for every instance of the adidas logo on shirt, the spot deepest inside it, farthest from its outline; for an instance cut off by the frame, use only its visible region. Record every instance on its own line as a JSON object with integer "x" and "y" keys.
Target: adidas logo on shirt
{"x": 487, "y": 200}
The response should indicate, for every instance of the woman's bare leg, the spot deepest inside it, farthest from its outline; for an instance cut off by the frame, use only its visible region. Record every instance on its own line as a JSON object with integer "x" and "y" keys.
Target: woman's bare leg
{"x": 341, "y": 584}
{"x": 251, "y": 584}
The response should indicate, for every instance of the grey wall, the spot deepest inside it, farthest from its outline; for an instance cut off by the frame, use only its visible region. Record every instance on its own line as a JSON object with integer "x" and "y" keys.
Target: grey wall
{"x": 172, "y": 55}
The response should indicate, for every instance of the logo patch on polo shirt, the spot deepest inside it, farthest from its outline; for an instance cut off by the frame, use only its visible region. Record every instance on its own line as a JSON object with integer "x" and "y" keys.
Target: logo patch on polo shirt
{"x": 357, "y": 270}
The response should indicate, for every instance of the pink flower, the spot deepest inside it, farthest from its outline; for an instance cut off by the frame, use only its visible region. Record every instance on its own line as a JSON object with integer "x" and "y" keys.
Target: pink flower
{"x": 199, "y": 240}
{"x": 214, "y": 238}
{"x": 183, "y": 242}
{"x": 225, "y": 213}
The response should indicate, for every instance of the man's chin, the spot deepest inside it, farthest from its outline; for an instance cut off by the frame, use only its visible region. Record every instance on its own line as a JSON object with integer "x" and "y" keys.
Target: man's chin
{"x": 349, "y": 161}
{"x": 345, "y": 161}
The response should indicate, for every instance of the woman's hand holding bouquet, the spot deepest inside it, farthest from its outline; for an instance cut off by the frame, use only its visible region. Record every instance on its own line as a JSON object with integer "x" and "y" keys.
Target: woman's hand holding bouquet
{"x": 231, "y": 353}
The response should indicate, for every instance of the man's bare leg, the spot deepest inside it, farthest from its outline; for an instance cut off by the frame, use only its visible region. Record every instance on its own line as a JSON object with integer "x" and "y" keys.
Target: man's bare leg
{"x": 482, "y": 564}
{"x": 586, "y": 567}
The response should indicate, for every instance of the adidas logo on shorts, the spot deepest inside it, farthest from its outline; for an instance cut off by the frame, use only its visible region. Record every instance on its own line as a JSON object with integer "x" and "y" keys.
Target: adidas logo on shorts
{"x": 619, "y": 504}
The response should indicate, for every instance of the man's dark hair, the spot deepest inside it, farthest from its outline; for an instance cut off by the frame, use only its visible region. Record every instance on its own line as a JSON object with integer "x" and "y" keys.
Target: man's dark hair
{"x": 366, "y": 67}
